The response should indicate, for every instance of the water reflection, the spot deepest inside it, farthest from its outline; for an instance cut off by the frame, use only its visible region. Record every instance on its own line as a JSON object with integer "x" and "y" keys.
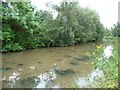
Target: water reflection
{"x": 108, "y": 51}
{"x": 32, "y": 67}
{"x": 13, "y": 78}
{"x": 45, "y": 79}
{"x": 97, "y": 73}
{"x": 83, "y": 82}
{"x": 4, "y": 78}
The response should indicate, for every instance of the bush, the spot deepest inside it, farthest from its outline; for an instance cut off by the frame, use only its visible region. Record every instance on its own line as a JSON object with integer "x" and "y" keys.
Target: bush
{"x": 109, "y": 66}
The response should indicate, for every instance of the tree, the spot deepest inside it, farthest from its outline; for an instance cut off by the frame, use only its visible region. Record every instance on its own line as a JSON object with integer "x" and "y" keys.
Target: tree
{"x": 25, "y": 27}
{"x": 116, "y": 30}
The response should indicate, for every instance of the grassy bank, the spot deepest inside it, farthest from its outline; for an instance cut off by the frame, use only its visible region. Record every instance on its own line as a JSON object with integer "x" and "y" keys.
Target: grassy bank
{"x": 109, "y": 66}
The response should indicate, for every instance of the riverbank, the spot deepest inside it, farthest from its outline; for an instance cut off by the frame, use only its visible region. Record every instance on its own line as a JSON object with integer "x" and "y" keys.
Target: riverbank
{"x": 108, "y": 64}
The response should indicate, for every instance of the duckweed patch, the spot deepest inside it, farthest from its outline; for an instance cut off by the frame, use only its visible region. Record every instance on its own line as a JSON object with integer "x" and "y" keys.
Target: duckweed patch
{"x": 64, "y": 72}
{"x": 29, "y": 82}
{"x": 20, "y": 64}
{"x": 50, "y": 51}
{"x": 59, "y": 60}
{"x": 5, "y": 68}
{"x": 84, "y": 58}
{"x": 6, "y": 62}
{"x": 74, "y": 62}
{"x": 67, "y": 56}
{"x": 39, "y": 62}
{"x": 10, "y": 62}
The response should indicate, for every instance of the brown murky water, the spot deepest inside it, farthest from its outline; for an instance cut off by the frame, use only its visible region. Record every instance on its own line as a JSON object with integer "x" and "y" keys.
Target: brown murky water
{"x": 46, "y": 67}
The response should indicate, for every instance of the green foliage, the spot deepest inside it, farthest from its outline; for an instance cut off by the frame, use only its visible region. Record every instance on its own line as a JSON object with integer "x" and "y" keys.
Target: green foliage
{"x": 83, "y": 23}
{"x": 109, "y": 66}
{"x": 25, "y": 27}
{"x": 108, "y": 32}
{"x": 116, "y": 30}
{"x": 12, "y": 47}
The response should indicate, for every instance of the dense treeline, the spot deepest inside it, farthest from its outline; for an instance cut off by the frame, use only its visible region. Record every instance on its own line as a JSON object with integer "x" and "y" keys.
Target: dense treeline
{"x": 116, "y": 30}
{"x": 24, "y": 27}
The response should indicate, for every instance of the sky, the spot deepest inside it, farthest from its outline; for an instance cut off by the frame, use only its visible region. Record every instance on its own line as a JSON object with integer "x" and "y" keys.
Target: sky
{"x": 107, "y": 9}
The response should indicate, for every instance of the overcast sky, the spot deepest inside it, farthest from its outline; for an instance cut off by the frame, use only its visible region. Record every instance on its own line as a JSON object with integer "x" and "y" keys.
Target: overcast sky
{"x": 107, "y": 9}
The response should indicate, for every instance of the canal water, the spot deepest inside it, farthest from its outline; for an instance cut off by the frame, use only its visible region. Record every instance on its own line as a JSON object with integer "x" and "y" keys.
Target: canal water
{"x": 54, "y": 67}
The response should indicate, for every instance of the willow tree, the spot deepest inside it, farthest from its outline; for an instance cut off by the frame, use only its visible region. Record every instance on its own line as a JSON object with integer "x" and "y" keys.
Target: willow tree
{"x": 78, "y": 24}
